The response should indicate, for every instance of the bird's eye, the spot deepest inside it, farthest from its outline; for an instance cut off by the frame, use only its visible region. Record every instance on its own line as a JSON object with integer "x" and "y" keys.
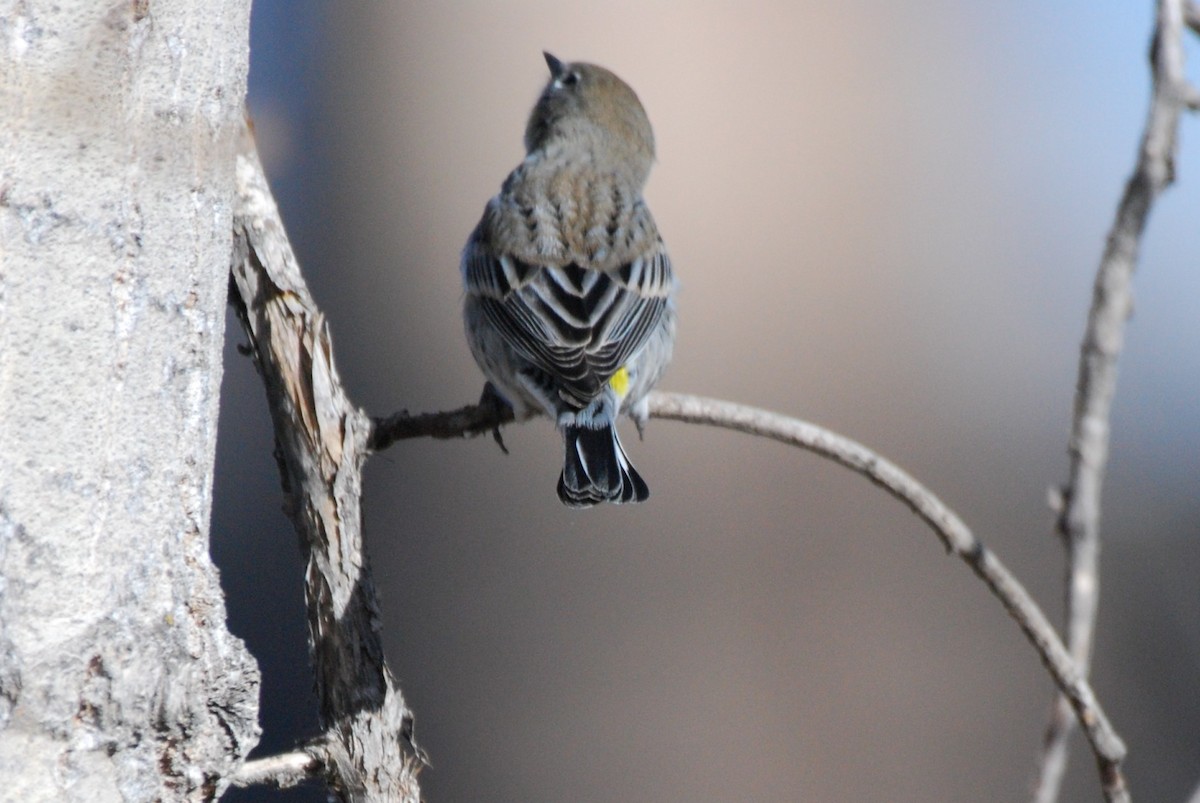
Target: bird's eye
{"x": 570, "y": 79}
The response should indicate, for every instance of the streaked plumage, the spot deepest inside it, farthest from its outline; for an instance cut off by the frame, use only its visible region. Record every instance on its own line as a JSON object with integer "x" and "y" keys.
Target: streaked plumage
{"x": 569, "y": 305}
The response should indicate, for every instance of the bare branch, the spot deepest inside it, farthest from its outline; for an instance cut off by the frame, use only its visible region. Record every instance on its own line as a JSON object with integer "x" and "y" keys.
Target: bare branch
{"x": 283, "y": 771}
{"x": 474, "y": 419}
{"x": 954, "y": 534}
{"x": 1079, "y": 521}
{"x": 321, "y": 445}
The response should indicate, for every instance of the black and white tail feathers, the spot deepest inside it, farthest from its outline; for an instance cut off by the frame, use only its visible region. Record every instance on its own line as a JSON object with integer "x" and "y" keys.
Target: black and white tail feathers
{"x": 596, "y": 469}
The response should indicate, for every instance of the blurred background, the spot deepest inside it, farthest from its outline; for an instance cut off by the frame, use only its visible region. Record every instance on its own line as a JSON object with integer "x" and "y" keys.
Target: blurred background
{"x": 887, "y": 218}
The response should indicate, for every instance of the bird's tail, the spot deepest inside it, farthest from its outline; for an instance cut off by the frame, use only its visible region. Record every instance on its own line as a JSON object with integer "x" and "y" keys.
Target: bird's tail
{"x": 596, "y": 469}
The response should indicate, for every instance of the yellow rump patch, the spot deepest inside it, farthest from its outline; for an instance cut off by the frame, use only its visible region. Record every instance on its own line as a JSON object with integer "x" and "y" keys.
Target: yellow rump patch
{"x": 620, "y": 382}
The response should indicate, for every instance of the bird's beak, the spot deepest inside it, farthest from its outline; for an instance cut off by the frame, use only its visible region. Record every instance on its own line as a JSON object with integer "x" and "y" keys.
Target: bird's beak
{"x": 557, "y": 68}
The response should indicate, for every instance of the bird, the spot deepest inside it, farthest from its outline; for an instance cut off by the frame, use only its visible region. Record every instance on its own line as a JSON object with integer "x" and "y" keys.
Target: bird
{"x": 569, "y": 295}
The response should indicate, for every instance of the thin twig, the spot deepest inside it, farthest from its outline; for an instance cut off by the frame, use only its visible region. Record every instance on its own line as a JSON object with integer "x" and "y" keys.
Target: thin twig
{"x": 1079, "y": 520}
{"x": 474, "y": 419}
{"x": 321, "y": 441}
{"x": 283, "y": 770}
{"x": 954, "y": 534}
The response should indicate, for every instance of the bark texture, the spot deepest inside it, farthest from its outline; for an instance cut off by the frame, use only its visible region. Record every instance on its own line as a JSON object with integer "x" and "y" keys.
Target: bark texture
{"x": 118, "y": 121}
{"x": 368, "y": 752}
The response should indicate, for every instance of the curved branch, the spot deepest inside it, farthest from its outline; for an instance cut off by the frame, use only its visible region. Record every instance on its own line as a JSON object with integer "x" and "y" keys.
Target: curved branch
{"x": 1079, "y": 519}
{"x": 950, "y": 529}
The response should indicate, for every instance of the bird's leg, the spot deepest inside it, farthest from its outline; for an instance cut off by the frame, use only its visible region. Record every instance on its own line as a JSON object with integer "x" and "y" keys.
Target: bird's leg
{"x": 491, "y": 401}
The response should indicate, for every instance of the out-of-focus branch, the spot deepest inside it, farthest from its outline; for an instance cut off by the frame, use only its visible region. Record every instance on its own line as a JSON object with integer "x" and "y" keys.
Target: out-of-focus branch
{"x": 954, "y": 534}
{"x": 1191, "y": 15}
{"x": 1079, "y": 519}
{"x": 321, "y": 443}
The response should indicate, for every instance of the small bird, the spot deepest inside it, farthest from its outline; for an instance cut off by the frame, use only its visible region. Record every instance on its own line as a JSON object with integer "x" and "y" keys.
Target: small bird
{"x": 570, "y": 295}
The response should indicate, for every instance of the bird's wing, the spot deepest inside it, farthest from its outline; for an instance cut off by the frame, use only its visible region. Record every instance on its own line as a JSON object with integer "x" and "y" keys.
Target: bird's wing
{"x": 578, "y": 326}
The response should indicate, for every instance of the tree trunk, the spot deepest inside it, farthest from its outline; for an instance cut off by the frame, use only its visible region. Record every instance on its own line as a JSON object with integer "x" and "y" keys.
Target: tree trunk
{"x": 118, "y": 122}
